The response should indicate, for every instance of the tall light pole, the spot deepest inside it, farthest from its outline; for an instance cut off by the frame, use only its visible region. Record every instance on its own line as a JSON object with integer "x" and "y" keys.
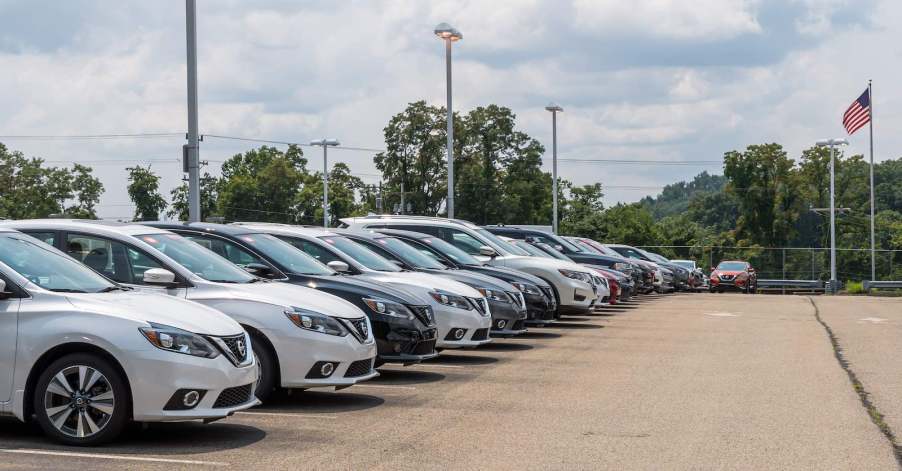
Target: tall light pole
{"x": 554, "y": 109}
{"x": 191, "y": 151}
{"x": 325, "y": 143}
{"x": 832, "y": 143}
{"x": 448, "y": 34}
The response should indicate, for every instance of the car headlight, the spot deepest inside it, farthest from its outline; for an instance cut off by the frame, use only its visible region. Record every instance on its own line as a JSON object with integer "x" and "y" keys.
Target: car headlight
{"x": 620, "y": 266}
{"x": 452, "y": 300}
{"x": 494, "y": 295}
{"x": 177, "y": 340}
{"x": 388, "y": 308}
{"x": 527, "y": 288}
{"x": 577, "y": 275}
{"x": 316, "y": 322}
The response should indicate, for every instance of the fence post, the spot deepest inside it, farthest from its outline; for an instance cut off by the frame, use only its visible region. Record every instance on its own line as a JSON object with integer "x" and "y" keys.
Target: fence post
{"x": 784, "y": 269}
{"x": 812, "y": 264}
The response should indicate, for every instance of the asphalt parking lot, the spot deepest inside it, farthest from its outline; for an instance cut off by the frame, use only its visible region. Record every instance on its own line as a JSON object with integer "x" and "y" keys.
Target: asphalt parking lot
{"x": 696, "y": 381}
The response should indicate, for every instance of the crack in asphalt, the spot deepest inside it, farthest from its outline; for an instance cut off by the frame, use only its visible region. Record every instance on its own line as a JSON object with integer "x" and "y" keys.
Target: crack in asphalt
{"x": 858, "y": 386}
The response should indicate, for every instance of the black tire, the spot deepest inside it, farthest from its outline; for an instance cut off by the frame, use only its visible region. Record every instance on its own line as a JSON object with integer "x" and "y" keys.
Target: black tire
{"x": 266, "y": 368}
{"x": 110, "y": 424}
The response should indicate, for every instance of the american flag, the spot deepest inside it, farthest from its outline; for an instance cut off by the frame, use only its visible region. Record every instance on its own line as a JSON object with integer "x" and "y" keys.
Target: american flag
{"x": 858, "y": 114}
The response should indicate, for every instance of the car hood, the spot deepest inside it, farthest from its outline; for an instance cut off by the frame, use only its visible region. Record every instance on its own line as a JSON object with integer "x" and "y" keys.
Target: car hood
{"x": 475, "y": 279}
{"x": 159, "y": 309}
{"x": 425, "y": 281}
{"x": 546, "y": 263}
{"x": 288, "y": 295}
{"x": 520, "y": 276}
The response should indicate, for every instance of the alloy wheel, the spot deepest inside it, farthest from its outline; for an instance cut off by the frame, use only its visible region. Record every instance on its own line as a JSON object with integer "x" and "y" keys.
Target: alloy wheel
{"x": 79, "y": 401}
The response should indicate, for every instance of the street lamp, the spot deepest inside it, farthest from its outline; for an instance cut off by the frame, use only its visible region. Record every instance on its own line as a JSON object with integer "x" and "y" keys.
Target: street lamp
{"x": 554, "y": 109}
{"x": 448, "y": 34}
{"x": 325, "y": 143}
{"x": 832, "y": 143}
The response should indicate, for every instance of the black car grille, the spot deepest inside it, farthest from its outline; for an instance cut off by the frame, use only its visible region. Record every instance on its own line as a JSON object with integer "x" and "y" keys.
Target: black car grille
{"x": 359, "y": 328}
{"x": 481, "y": 304}
{"x": 552, "y": 302}
{"x": 518, "y": 298}
{"x": 359, "y": 368}
{"x": 519, "y": 325}
{"x": 424, "y": 314}
{"x": 480, "y": 334}
{"x": 727, "y": 277}
{"x": 426, "y": 347}
{"x": 233, "y": 396}
{"x": 235, "y": 347}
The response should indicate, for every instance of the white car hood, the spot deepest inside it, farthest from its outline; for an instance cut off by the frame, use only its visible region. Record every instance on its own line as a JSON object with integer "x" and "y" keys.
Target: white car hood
{"x": 548, "y": 263}
{"x": 159, "y": 309}
{"x": 288, "y": 295}
{"x": 425, "y": 281}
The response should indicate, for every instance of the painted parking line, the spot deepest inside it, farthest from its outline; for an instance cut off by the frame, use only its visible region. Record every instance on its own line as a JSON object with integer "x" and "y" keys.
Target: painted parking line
{"x": 285, "y": 414}
{"x": 102, "y": 456}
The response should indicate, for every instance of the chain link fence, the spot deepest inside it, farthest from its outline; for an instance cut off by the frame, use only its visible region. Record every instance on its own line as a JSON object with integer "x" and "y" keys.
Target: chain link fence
{"x": 793, "y": 263}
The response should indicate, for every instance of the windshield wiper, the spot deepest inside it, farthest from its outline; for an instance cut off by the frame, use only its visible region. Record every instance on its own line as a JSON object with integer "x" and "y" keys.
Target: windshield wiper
{"x": 68, "y": 290}
{"x": 114, "y": 288}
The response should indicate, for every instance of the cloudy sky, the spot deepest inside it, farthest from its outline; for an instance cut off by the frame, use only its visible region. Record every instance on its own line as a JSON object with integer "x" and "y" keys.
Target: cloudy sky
{"x": 653, "y": 80}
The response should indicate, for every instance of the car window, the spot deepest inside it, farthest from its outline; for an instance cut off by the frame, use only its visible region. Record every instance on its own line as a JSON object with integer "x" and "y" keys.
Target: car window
{"x": 732, "y": 266}
{"x": 410, "y": 254}
{"x": 139, "y": 263}
{"x": 312, "y": 249}
{"x": 361, "y": 254}
{"x": 422, "y": 229}
{"x": 197, "y": 259}
{"x": 505, "y": 246}
{"x": 48, "y": 237}
{"x": 226, "y": 249}
{"x": 105, "y": 256}
{"x": 450, "y": 251}
{"x": 47, "y": 267}
{"x": 461, "y": 240}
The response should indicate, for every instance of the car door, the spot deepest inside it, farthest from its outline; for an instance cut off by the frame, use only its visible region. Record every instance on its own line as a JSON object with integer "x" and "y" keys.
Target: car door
{"x": 118, "y": 261}
{"x": 9, "y": 315}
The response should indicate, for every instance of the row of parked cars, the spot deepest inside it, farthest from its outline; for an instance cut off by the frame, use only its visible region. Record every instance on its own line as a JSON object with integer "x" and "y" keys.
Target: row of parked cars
{"x": 104, "y": 323}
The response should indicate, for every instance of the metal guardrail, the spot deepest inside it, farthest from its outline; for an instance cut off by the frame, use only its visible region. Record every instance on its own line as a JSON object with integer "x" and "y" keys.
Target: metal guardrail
{"x": 870, "y": 284}
{"x": 792, "y": 285}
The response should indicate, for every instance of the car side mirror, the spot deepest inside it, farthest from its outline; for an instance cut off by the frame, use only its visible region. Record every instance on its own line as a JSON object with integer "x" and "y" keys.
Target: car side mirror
{"x": 160, "y": 277}
{"x": 487, "y": 251}
{"x": 339, "y": 266}
{"x": 3, "y": 293}
{"x": 260, "y": 269}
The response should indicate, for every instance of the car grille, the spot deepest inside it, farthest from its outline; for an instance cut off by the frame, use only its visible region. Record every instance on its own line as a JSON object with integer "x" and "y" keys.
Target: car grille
{"x": 727, "y": 277}
{"x": 518, "y": 325}
{"x": 480, "y": 334}
{"x": 359, "y": 368}
{"x": 233, "y": 396}
{"x": 424, "y": 314}
{"x": 518, "y": 298}
{"x": 552, "y": 303}
{"x": 235, "y": 347}
{"x": 426, "y": 347}
{"x": 481, "y": 304}
{"x": 359, "y": 328}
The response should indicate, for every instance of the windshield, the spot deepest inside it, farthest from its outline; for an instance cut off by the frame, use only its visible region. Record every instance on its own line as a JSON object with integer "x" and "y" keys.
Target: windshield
{"x": 409, "y": 254}
{"x": 455, "y": 254}
{"x": 47, "y": 268}
{"x": 685, "y": 264}
{"x": 197, "y": 259}
{"x": 285, "y": 254}
{"x": 588, "y": 248}
{"x": 568, "y": 246}
{"x": 655, "y": 257}
{"x": 732, "y": 266}
{"x": 531, "y": 249}
{"x": 555, "y": 253}
{"x": 361, "y": 254}
{"x": 507, "y": 247}
{"x": 629, "y": 252}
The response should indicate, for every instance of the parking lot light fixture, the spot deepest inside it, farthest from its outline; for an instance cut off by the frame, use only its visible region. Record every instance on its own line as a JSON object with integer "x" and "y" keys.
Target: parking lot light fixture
{"x": 554, "y": 109}
{"x": 449, "y": 34}
{"x": 325, "y": 143}
{"x": 832, "y": 143}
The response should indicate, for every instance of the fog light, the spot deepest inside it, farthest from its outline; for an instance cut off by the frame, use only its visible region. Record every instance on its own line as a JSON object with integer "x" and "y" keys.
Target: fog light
{"x": 459, "y": 334}
{"x": 191, "y": 398}
{"x": 502, "y": 323}
{"x": 327, "y": 369}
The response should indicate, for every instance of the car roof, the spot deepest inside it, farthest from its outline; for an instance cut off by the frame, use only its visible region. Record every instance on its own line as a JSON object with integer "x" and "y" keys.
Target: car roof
{"x": 403, "y": 233}
{"x": 405, "y": 217}
{"x": 285, "y": 229}
{"x": 227, "y": 229}
{"x": 88, "y": 225}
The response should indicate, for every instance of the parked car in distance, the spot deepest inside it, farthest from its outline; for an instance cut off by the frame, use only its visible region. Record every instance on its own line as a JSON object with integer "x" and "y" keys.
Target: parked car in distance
{"x": 644, "y": 282}
{"x": 461, "y": 313}
{"x": 697, "y": 278}
{"x": 82, "y": 356}
{"x": 571, "y": 282}
{"x": 540, "y": 302}
{"x": 302, "y": 338}
{"x": 506, "y": 303}
{"x": 733, "y": 275}
{"x": 664, "y": 276}
{"x": 403, "y": 324}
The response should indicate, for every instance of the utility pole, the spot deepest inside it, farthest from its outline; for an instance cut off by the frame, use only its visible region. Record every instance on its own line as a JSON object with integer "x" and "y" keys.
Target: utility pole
{"x": 192, "y": 151}
{"x": 554, "y": 109}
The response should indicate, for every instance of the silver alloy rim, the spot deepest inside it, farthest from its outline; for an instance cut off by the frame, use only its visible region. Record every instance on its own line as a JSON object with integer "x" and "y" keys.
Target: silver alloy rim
{"x": 259, "y": 374}
{"x": 79, "y": 401}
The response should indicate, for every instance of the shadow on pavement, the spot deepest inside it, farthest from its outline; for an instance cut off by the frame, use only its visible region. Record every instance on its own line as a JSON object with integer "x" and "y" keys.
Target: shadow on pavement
{"x": 452, "y": 359}
{"x": 539, "y": 335}
{"x": 564, "y": 325}
{"x": 406, "y": 377}
{"x": 506, "y": 347}
{"x": 182, "y": 438}
{"x": 320, "y": 402}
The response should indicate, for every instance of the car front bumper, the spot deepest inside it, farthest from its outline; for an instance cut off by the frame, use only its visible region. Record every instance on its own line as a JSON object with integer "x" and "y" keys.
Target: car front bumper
{"x": 299, "y": 350}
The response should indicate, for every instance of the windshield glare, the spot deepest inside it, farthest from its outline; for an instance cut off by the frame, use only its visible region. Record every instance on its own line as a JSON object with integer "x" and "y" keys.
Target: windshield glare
{"x": 503, "y": 245}
{"x": 286, "y": 255}
{"x": 48, "y": 268}
{"x": 361, "y": 254}
{"x": 409, "y": 254}
{"x": 450, "y": 251}
{"x": 531, "y": 249}
{"x": 197, "y": 259}
{"x": 732, "y": 266}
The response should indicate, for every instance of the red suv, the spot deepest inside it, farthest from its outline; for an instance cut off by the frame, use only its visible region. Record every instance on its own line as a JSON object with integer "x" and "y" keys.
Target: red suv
{"x": 733, "y": 275}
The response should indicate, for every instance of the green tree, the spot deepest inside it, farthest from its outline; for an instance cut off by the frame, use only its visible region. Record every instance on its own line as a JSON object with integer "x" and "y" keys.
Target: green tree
{"x": 208, "y": 196}
{"x": 143, "y": 189}
{"x": 342, "y": 196}
{"x": 262, "y": 185}
{"x": 86, "y": 189}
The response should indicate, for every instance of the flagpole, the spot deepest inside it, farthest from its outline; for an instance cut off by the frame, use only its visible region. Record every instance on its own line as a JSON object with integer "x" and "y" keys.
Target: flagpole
{"x": 871, "y": 126}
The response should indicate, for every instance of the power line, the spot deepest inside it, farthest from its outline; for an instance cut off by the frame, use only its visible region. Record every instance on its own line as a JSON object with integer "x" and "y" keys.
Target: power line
{"x": 62, "y": 137}
{"x": 643, "y": 162}
{"x": 288, "y": 143}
